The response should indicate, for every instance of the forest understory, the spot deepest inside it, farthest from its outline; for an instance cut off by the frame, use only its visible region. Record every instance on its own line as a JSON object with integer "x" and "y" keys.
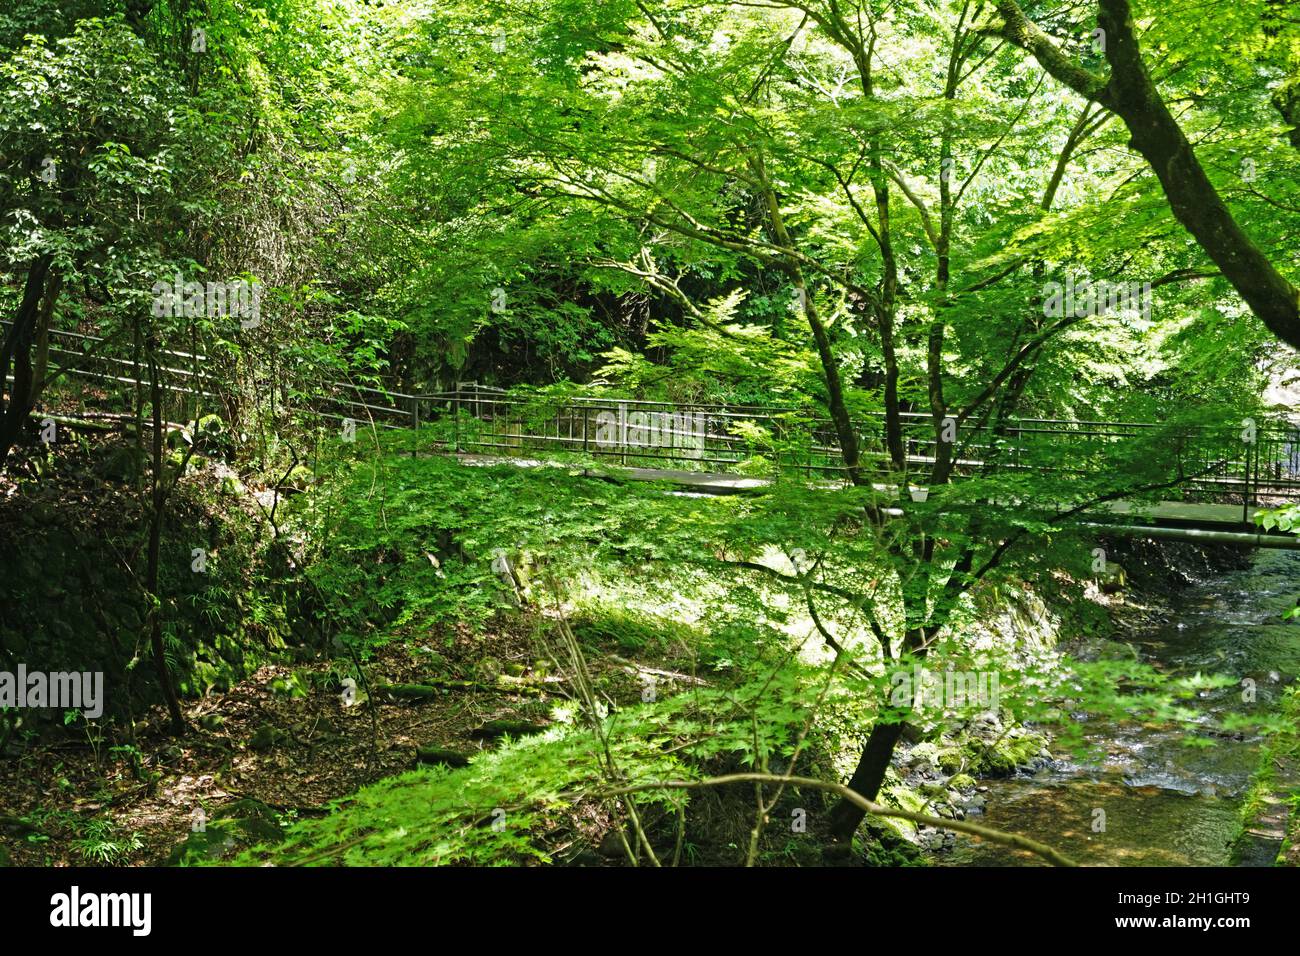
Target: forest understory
{"x": 283, "y": 742}
{"x": 649, "y": 433}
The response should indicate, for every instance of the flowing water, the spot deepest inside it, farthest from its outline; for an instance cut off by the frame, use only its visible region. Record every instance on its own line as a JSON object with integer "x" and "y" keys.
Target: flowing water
{"x": 1165, "y": 803}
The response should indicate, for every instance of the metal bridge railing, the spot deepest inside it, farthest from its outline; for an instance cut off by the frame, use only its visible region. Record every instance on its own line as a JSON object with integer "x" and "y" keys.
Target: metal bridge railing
{"x": 190, "y": 375}
{"x": 1216, "y": 462}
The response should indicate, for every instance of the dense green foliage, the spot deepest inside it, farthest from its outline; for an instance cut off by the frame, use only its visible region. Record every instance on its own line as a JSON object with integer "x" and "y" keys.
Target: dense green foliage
{"x": 904, "y": 229}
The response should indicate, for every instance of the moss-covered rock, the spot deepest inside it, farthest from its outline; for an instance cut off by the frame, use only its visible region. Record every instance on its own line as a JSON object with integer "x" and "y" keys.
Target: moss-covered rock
{"x": 892, "y": 851}
{"x": 904, "y": 798}
{"x": 951, "y": 760}
{"x": 926, "y": 752}
{"x": 1003, "y": 755}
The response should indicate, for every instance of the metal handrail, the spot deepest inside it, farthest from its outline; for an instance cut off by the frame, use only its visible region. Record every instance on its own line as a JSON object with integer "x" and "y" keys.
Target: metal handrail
{"x": 1269, "y": 466}
{"x": 1221, "y": 464}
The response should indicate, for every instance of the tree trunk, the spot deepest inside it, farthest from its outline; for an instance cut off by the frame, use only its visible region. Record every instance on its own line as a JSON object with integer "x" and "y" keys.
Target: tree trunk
{"x": 41, "y": 363}
{"x": 1154, "y": 133}
{"x": 155, "y": 549}
{"x": 867, "y": 778}
{"x": 839, "y": 412}
{"x": 873, "y": 763}
{"x": 1193, "y": 198}
{"x": 16, "y": 353}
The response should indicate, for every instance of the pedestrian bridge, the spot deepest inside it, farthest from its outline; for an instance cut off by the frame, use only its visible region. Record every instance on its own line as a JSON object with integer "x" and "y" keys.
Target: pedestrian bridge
{"x": 1190, "y": 482}
{"x": 1200, "y": 482}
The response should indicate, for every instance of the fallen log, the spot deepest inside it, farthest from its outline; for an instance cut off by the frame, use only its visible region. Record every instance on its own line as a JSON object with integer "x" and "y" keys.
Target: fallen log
{"x": 436, "y": 688}
{"x": 439, "y": 757}
{"x": 409, "y": 691}
{"x": 512, "y": 728}
{"x": 100, "y": 421}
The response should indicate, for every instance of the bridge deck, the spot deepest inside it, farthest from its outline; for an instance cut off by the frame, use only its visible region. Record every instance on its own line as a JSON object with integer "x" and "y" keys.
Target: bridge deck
{"x": 1184, "y": 512}
{"x": 1229, "y": 522}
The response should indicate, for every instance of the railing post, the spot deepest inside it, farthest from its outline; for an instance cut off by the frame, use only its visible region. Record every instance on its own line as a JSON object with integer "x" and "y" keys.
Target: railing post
{"x": 1254, "y": 478}
{"x": 1245, "y": 484}
{"x": 415, "y": 416}
{"x": 455, "y": 420}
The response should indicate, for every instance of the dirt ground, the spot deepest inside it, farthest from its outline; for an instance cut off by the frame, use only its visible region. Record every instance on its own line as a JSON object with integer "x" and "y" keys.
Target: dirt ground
{"x": 290, "y": 752}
